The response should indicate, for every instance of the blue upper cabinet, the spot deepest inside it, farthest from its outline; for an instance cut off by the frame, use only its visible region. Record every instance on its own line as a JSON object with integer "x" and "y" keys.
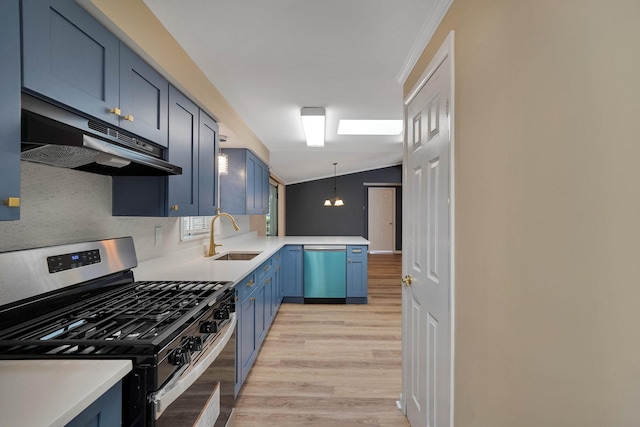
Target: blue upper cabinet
{"x": 207, "y": 165}
{"x": 70, "y": 58}
{"x": 245, "y": 189}
{"x": 144, "y": 98}
{"x": 9, "y": 111}
{"x": 183, "y": 151}
{"x": 193, "y": 144}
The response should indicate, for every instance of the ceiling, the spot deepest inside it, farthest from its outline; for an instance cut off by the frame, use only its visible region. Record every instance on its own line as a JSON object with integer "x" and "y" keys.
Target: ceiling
{"x": 270, "y": 58}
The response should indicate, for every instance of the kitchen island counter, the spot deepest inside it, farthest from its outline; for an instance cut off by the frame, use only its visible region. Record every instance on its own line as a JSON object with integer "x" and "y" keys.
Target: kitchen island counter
{"x": 191, "y": 264}
{"x": 51, "y": 393}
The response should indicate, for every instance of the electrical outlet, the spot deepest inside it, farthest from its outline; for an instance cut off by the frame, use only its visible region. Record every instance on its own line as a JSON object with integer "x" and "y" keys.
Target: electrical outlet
{"x": 158, "y": 235}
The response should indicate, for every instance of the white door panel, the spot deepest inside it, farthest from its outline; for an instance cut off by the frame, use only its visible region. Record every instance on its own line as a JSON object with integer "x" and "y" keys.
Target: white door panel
{"x": 427, "y": 257}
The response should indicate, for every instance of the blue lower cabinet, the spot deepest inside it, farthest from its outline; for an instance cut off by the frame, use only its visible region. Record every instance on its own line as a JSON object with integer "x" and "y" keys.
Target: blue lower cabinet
{"x": 292, "y": 274}
{"x": 259, "y": 299}
{"x": 246, "y": 340}
{"x": 104, "y": 412}
{"x": 357, "y": 269}
{"x": 10, "y": 111}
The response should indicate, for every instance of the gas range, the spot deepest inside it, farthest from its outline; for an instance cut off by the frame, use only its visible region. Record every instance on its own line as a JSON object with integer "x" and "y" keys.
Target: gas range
{"x": 81, "y": 301}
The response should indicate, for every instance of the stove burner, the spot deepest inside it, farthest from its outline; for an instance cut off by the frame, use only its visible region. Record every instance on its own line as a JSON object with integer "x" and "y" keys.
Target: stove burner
{"x": 139, "y": 313}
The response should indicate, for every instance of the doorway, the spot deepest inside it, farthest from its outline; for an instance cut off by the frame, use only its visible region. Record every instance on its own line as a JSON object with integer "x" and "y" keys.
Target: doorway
{"x": 381, "y": 219}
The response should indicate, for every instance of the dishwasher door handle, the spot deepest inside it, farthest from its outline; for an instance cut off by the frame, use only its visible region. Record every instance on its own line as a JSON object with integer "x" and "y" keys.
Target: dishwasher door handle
{"x": 326, "y": 248}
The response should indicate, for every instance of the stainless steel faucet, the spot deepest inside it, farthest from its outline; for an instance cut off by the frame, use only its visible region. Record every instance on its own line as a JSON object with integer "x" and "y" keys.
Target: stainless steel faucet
{"x": 212, "y": 244}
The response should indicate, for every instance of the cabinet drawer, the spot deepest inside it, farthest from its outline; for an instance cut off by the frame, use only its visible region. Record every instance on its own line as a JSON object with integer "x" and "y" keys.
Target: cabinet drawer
{"x": 356, "y": 251}
{"x": 246, "y": 287}
{"x": 263, "y": 271}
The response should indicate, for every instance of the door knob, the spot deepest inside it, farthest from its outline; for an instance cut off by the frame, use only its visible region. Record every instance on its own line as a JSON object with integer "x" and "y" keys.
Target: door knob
{"x": 407, "y": 280}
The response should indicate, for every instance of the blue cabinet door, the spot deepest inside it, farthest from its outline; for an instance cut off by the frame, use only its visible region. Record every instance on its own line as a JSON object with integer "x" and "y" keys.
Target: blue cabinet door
{"x": 104, "y": 412}
{"x": 245, "y": 189}
{"x": 70, "y": 58}
{"x": 257, "y": 186}
{"x": 269, "y": 297}
{"x": 292, "y": 275}
{"x": 253, "y": 184}
{"x": 183, "y": 151}
{"x": 357, "y": 270}
{"x": 261, "y": 313}
{"x": 264, "y": 188}
{"x": 144, "y": 98}
{"x": 9, "y": 110}
{"x": 207, "y": 165}
{"x": 247, "y": 339}
{"x": 277, "y": 278}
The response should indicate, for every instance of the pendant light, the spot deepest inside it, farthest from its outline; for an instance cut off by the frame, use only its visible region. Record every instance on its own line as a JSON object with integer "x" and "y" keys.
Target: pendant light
{"x": 335, "y": 201}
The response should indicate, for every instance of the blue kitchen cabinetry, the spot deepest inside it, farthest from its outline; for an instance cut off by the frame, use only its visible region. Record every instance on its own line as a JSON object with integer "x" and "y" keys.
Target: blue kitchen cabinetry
{"x": 246, "y": 340}
{"x": 264, "y": 298}
{"x": 259, "y": 299}
{"x": 106, "y": 411}
{"x": 245, "y": 189}
{"x": 276, "y": 272}
{"x": 70, "y": 58}
{"x": 193, "y": 137}
{"x": 9, "y": 111}
{"x": 357, "y": 267}
{"x": 292, "y": 274}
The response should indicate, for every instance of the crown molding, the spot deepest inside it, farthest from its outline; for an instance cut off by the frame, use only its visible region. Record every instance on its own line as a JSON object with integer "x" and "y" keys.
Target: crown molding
{"x": 429, "y": 27}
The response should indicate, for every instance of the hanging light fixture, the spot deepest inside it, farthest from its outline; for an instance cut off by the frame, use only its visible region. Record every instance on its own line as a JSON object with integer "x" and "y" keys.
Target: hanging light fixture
{"x": 336, "y": 201}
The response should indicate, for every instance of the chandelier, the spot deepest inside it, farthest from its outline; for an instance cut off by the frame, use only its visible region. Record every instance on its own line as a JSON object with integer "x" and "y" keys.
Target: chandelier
{"x": 336, "y": 200}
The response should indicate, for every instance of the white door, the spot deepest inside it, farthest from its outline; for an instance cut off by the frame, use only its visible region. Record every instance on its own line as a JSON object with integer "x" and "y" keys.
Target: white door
{"x": 426, "y": 256}
{"x": 382, "y": 219}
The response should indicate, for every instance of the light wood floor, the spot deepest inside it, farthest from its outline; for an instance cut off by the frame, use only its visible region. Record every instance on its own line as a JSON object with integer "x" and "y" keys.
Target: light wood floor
{"x": 331, "y": 365}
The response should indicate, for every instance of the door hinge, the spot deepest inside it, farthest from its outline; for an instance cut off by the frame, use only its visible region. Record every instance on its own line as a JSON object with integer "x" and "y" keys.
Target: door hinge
{"x": 447, "y": 108}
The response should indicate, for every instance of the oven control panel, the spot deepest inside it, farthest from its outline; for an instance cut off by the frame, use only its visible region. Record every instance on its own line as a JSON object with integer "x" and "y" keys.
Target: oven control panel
{"x": 64, "y": 262}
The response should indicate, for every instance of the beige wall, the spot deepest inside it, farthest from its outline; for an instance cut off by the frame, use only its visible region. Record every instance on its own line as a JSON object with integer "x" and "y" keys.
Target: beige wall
{"x": 548, "y": 211}
{"x": 134, "y": 23}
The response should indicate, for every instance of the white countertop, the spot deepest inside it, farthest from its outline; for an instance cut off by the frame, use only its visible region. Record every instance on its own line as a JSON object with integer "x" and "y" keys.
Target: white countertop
{"x": 40, "y": 393}
{"x": 191, "y": 264}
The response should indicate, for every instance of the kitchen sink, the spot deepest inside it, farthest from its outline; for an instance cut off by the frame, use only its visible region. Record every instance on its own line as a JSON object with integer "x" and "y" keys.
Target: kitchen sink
{"x": 237, "y": 256}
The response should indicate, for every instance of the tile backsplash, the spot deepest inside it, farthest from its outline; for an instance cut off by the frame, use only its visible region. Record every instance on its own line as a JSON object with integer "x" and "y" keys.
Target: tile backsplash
{"x": 63, "y": 206}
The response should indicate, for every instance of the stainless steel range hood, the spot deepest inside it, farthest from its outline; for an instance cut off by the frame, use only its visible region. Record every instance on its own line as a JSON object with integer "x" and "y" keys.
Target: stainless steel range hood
{"x": 58, "y": 137}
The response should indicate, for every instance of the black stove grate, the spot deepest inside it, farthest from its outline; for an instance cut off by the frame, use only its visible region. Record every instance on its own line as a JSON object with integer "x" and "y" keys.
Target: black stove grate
{"x": 134, "y": 318}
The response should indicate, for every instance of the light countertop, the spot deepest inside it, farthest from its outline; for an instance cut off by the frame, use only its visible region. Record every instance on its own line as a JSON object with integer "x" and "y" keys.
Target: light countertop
{"x": 41, "y": 393}
{"x": 191, "y": 264}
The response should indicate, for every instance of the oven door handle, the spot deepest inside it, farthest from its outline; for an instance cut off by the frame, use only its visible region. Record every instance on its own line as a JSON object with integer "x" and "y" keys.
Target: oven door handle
{"x": 162, "y": 398}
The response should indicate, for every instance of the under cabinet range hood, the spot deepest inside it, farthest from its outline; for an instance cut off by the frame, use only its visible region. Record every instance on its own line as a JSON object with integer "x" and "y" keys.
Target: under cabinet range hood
{"x": 54, "y": 136}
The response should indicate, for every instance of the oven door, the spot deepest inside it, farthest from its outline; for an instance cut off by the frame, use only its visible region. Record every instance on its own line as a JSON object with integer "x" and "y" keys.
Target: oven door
{"x": 222, "y": 347}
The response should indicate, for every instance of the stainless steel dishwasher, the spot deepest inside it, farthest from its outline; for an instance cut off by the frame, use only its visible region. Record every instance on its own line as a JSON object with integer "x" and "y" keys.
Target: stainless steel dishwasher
{"x": 325, "y": 274}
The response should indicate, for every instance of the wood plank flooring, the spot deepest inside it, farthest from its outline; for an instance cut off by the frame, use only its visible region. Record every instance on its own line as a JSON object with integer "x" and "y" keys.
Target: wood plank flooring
{"x": 331, "y": 365}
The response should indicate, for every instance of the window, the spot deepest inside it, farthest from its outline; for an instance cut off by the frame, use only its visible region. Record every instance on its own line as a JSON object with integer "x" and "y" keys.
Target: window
{"x": 272, "y": 216}
{"x": 194, "y": 226}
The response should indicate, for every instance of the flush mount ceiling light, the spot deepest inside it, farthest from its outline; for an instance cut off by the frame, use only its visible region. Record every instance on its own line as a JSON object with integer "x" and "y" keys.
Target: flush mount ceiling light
{"x": 313, "y": 124}
{"x": 370, "y": 127}
{"x": 335, "y": 201}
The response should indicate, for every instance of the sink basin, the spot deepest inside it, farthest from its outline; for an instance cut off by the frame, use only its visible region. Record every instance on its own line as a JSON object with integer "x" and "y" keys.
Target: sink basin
{"x": 237, "y": 256}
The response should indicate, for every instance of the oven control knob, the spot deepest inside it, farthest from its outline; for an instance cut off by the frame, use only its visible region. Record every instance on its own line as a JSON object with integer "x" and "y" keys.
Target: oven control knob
{"x": 208, "y": 327}
{"x": 179, "y": 356}
{"x": 194, "y": 344}
{"x": 221, "y": 313}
